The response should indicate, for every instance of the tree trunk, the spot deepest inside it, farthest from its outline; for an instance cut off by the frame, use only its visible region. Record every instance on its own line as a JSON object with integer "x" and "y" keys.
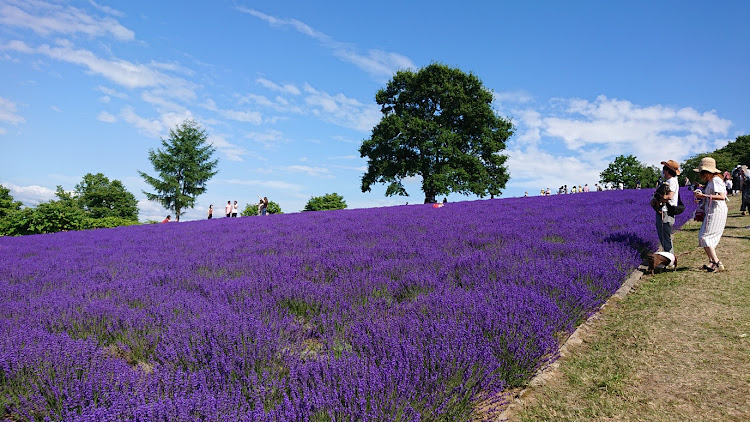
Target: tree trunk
{"x": 429, "y": 198}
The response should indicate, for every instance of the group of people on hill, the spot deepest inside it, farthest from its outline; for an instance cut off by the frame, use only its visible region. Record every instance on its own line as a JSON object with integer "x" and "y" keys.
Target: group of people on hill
{"x": 232, "y": 210}
{"x": 564, "y": 190}
{"x": 736, "y": 180}
{"x": 712, "y": 211}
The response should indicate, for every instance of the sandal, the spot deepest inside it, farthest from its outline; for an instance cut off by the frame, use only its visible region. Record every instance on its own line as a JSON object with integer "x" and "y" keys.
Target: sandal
{"x": 716, "y": 266}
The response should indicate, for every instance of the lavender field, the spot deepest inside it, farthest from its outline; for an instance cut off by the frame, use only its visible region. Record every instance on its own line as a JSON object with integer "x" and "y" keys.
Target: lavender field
{"x": 402, "y": 313}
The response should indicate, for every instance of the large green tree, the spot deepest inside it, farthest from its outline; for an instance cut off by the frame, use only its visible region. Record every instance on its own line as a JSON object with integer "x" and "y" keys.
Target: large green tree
{"x": 102, "y": 198}
{"x": 437, "y": 123}
{"x": 329, "y": 201}
{"x": 629, "y": 171}
{"x": 184, "y": 167}
{"x": 7, "y": 203}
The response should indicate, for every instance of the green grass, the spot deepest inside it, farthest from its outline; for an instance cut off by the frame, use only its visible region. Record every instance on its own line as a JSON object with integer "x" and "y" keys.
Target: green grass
{"x": 677, "y": 348}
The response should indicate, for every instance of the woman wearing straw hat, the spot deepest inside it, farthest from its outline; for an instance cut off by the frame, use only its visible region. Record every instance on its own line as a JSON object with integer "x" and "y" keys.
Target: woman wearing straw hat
{"x": 714, "y": 204}
{"x": 665, "y": 221}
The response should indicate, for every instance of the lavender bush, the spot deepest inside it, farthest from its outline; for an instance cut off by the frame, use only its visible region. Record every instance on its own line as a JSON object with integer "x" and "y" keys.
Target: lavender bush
{"x": 389, "y": 314}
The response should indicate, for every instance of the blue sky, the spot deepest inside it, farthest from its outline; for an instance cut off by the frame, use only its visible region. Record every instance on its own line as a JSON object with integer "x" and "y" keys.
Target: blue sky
{"x": 285, "y": 90}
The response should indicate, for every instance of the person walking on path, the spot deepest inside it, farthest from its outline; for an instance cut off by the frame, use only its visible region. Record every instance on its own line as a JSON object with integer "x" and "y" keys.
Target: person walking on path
{"x": 713, "y": 201}
{"x": 664, "y": 221}
{"x": 228, "y": 209}
{"x": 235, "y": 209}
{"x": 210, "y": 211}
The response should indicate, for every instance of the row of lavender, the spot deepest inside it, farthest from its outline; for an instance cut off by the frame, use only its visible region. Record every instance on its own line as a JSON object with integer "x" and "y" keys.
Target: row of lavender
{"x": 401, "y": 313}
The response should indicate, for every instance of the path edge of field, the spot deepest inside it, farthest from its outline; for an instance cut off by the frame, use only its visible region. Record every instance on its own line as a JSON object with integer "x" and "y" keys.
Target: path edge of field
{"x": 552, "y": 370}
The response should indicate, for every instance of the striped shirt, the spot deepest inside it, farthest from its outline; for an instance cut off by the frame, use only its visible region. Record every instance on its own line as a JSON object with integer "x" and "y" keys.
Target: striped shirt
{"x": 716, "y": 214}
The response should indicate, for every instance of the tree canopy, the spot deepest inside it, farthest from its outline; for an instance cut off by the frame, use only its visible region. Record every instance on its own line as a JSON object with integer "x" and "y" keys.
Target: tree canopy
{"x": 739, "y": 150}
{"x": 252, "y": 209}
{"x": 184, "y": 166}
{"x": 7, "y": 203}
{"x": 727, "y": 157}
{"x": 437, "y": 123}
{"x": 329, "y": 201}
{"x": 629, "y": 171}
{"x": 102, "y": 198}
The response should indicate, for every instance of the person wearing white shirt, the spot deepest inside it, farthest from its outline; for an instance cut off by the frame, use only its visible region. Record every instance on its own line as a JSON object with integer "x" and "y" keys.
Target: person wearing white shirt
{"x": 664, "y": 221}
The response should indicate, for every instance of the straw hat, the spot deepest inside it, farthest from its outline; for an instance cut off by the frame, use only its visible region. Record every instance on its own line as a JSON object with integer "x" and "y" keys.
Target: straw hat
{"x": 707, "y": 164}
{"x": 672, "y": 164}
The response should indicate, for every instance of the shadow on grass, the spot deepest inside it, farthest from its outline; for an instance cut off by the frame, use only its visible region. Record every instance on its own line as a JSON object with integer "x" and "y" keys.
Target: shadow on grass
{"x": 737, "y": 237}
{"x": 644, "y": 247}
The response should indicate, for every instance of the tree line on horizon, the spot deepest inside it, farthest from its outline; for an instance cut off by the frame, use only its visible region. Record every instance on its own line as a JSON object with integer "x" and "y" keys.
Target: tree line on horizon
{"x": 437, "y": 123}
{"x": 629, "y": 171}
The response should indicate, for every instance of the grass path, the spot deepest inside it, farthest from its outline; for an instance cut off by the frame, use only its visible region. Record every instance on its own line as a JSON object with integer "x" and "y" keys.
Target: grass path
{"x": 676, "y": 348}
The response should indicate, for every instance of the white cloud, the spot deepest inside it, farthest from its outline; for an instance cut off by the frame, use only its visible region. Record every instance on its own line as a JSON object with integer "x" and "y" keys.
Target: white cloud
{"x": 270, "y": 139}
{"x": 286, "y": 89}
{"x": 378, "y": 63}
{"x": 265, "y": 185}
{"x": 312, "y": 171}
{"x": 154, "y": 128}
{"x": 231, "y": 151}
{"x": 30, "y": 195}
{"x": 106, "y": 117}
{"x": 534, "y": 169}
{"x": 513, "y": 97}
{"x": 106, "y": 9}
{"x": 341, "y": 110}
{"x": 112, "y": 92}
{"x": 49, "y": 18}
{"x": 620, "y": 127}
{"x": 242, "y": 116}
{"x": 121, "y": 72}
{"x": 152, "y": 210}
{"x": 8, "y": 112}
{"x": 570, "y": 141}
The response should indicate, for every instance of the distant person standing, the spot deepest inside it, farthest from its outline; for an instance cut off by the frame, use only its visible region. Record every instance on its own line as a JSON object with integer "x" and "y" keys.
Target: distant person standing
{"x": 210, "y": 211}
{"x": 620, "y": 186}
{"x": 167, "y": 220}
{"x": 664, "y": 221}
{"x": 745, "y": 183}
{"x": 228, "y": 209}
{"x": 235, "y": 209}
{"x": 262, "y": 205}
{"x": 586, "y": 188}
{"x": 736, "y": 180}
{"x": 714, "y": 204}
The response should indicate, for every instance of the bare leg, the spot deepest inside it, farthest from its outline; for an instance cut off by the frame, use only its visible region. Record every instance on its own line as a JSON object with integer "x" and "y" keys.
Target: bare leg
{"x": 711, "y": 252}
